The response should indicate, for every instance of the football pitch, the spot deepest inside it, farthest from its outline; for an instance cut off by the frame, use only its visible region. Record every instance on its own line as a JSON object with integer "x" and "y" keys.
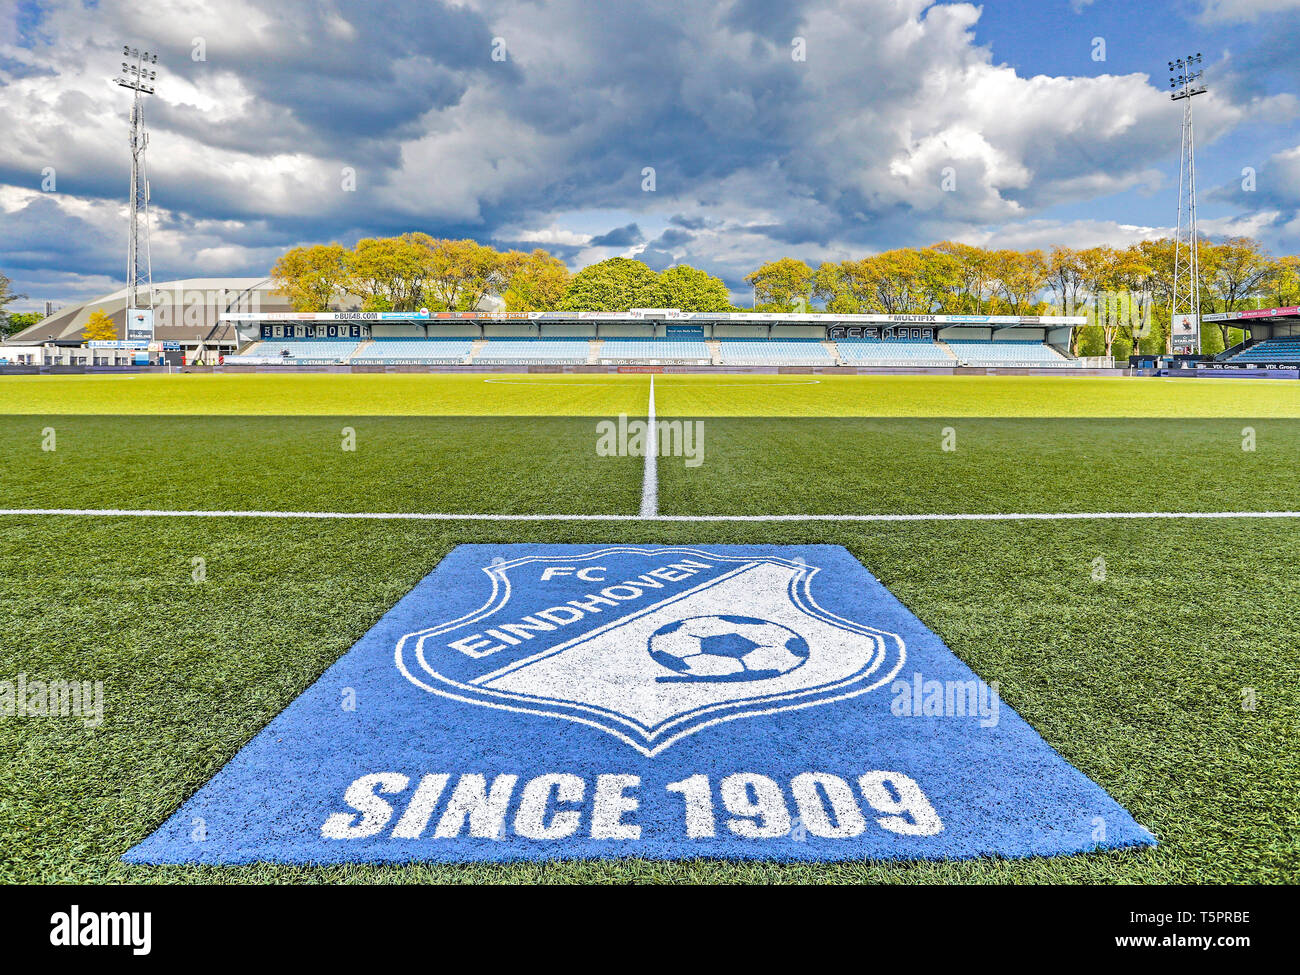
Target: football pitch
{"x": 1154, "y": 650}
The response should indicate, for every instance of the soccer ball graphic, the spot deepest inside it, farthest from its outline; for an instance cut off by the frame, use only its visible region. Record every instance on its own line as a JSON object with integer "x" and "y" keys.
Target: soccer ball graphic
{"x": 727, "y": 648}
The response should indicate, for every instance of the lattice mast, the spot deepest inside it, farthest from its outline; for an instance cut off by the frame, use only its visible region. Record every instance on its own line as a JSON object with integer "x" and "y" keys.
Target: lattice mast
{"x": 138, "y": 75}
{"x": 1185, "y": 80}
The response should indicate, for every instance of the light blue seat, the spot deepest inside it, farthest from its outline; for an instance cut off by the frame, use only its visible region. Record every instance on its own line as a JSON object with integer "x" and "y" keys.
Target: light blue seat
{"x": 441, "y": 349}
{"x": 301, "y": 350}
{"x": 775, "y": 352}
{"x": 1007, "y": 352}
{"x": 872, "y": 351}
{"x": 647, "y": 348}
{"x": 534, "y": 350}
{"x": 1285, "y": 349}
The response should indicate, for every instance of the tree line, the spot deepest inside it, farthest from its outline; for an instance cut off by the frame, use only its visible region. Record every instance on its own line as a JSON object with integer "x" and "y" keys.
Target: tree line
{"x": 417, "y": 271}
{"x": 1126, "y": 293}
{"x": 13, "y": 322}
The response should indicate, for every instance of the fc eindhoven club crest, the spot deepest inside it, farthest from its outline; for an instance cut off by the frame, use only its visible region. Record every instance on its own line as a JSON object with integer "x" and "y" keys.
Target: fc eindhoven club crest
{"x": 565, "y": 701}
{"x": 650, "y": 645}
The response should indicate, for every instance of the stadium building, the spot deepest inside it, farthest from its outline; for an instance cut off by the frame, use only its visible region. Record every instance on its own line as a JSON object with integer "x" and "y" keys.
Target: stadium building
{"x": 649, "y": 337}
{"x": 187, "y": 321}
{"x": 1272, "y": 342}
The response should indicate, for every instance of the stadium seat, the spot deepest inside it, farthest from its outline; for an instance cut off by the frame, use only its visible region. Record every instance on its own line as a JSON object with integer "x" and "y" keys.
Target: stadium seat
{"x": 1285, "y": 349}
{"x": 666, "y": 348}
{"x": 506, "y": 351}
{"x": 775, "y": 352}
{"x": 294, "y": 351}
{"x": 1007, "y": 352}
{"x": 893, "y": 352}
{"x": 414, "y": 350}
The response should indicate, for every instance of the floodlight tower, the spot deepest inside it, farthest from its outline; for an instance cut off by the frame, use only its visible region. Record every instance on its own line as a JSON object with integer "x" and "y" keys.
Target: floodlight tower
{"x": 138, "y": 75}
{"x": 1186, "y": 310}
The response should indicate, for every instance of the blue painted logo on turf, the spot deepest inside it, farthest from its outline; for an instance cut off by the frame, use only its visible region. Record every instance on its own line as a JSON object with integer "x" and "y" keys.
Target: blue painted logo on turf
{"x": 559, "y": 701}
{"x": 651, "y": 650}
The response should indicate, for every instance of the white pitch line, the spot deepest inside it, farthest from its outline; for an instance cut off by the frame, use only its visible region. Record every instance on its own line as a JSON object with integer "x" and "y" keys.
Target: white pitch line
{"x": 450, "y": 516}
{"x": 650, "y": 479}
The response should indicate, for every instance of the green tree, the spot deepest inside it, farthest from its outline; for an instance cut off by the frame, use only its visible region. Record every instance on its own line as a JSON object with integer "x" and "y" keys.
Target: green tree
{"x": 1283, "y": 287}
{"x": 1158, "y": 258}
{"x": 691, "y": 289}
{"x": 1021, "y": 277}
{"x": 1096, "y": 265}
{"x": 616, "y": 284}
{"x": 1239, "y": 272}
{"x": 832, "y": 286}
{"x": 893, "y": 278}
{"x": 940, "y": 280}
{"x": 782, "y": 285}
{"x": 99, "y": 327}
{"x": 975, "y": 278}
{"x": 464, "y": 272}
{"x": 17, "y": 321}
{"x": 533, "y": 282}
{"x": 902, "y": 281}
{"x": 393, "y": 273}
{"x": 312, "y": 277}
{"x": 1130, "y": 303}
{"x": 6, "y": 296}
{"x": 1065, "y": 281}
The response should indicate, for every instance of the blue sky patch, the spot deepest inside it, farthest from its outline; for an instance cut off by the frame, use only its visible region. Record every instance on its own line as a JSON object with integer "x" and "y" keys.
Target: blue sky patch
{"x": 581, "y": 701}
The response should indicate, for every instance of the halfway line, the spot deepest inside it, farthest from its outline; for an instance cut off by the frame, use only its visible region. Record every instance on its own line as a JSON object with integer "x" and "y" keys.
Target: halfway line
{"x": 448, "y": 516}
{"x": 650, "y": 480}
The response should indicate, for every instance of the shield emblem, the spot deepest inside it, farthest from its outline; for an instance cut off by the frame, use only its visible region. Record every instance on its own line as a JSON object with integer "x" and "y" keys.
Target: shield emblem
{"x": 650, "y": 644}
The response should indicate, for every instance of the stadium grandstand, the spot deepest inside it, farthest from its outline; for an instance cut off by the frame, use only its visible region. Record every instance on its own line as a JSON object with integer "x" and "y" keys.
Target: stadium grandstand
{"x": 303, "y": 352}
{"x": 1012, "y": 352}
{"x": 187, "y": 320}
{"x": 871, "y": 350}
{"x": 414, "y": 351}
{"x": 524, "y": 351}
{"x": 189, "y": 326}
{"x": 775, "y": 352}
{"x": 649, "y": 337}
{"x": 669, "y": 349}
{"x": 1272, "y": 339}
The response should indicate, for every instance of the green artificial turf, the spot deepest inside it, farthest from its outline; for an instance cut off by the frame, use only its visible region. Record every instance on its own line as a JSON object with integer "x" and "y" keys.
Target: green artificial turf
{"x": 460, "y": 464}
{"x": 551, "y": 465}
{"x": 1138, "y": 679}
{"x": 599, "y": 394}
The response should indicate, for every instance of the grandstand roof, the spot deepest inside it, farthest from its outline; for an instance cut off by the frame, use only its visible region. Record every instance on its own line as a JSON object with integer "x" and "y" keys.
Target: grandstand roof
{"x": 188, "y": 310}
{"x": 1254, "y": 314}
{"x": 654, "y": 314}
{"x": 1262, "y": 323}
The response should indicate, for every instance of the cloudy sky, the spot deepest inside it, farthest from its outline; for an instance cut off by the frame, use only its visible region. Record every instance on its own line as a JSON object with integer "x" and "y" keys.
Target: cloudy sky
{"x": 821, "y": 129}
